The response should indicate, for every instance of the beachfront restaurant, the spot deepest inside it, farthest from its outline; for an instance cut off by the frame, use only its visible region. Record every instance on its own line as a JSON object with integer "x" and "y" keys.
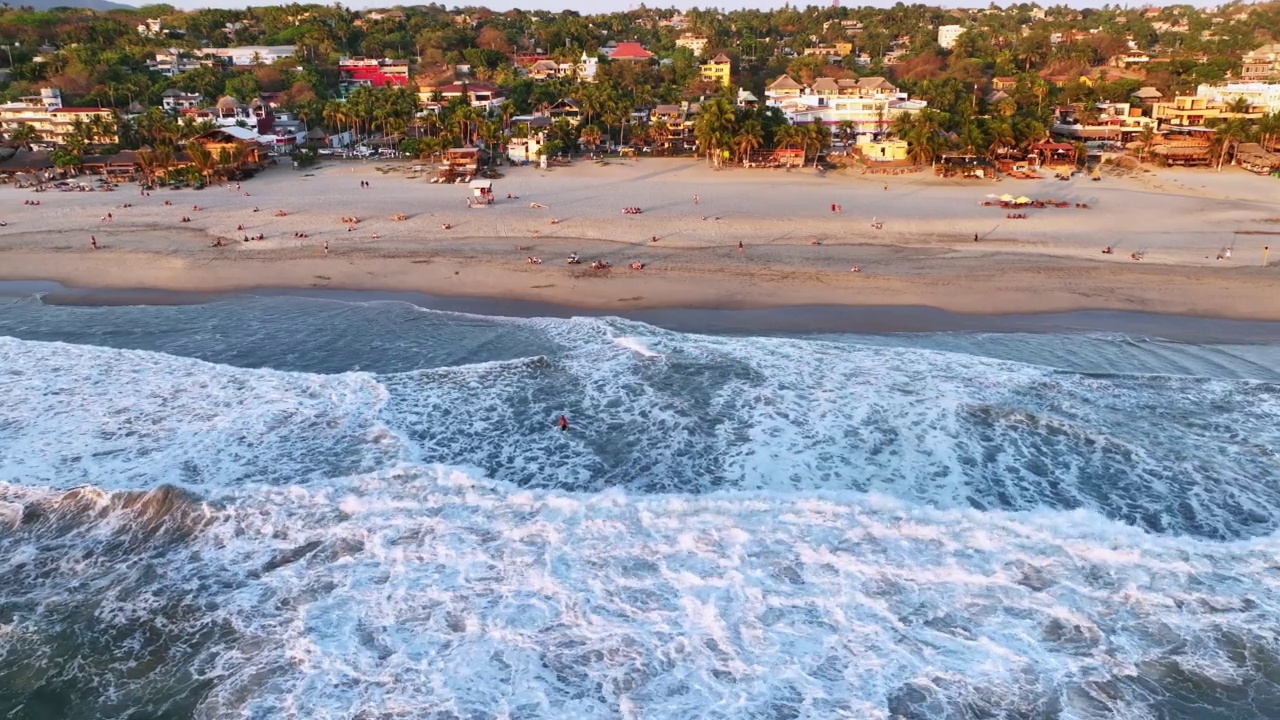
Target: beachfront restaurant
{"x": 1055, "y": 154}
{"x": 780, "y": 158}
{"x": 1183, "y": 153}
{"x": 963, "y": 165}
{"x": 1252, "y": 157}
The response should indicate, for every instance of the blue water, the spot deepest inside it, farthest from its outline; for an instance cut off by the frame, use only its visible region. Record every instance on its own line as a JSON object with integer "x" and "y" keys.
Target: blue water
{"x": 285, "y": 507}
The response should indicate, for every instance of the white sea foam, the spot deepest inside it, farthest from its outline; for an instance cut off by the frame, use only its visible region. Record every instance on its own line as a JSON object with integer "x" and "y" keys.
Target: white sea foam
{"x": 426, "y": 590}
{"x": 636, "y": 345}
{"x": 808, "y": 542}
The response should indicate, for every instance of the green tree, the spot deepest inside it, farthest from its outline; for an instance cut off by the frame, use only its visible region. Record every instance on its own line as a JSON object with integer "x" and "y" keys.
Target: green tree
{"x": 714, "y": 128}
{"x": 243, "y": 87}
{"x": 749, "y": 139}
{"x": 23, "y": 136}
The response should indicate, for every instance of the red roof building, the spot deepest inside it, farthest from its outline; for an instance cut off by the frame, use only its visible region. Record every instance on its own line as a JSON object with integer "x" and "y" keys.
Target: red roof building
{"x": 630, "y": 51}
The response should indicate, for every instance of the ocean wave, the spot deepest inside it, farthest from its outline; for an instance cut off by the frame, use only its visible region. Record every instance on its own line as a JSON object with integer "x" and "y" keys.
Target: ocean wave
{"x": 423, "y": 591}
{"x": 1170, "y": 454}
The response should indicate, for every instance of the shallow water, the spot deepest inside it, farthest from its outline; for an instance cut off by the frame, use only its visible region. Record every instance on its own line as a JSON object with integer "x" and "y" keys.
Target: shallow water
{"x": 284, "y": 507}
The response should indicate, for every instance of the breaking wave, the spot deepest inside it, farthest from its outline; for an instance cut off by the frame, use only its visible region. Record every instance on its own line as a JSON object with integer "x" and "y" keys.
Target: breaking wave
{"x": 734, "y": 527}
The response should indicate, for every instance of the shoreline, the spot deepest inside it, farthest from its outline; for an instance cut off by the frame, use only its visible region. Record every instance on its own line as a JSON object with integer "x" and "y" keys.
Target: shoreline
{"x": 789, "y": 320}
{"x": 986, "y": 283}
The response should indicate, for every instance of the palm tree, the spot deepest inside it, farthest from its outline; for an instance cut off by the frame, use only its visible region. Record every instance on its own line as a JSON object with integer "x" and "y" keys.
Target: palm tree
{"x": 23, "y": 135}
{"x": 203, "y": 160}
{"x": 920, "y": 130}
{"x": 846, "y": 130}
{"x": 972, "y": 137}
{"x": 154, "y": 162}
{"x": 659, "y": 134}
{"x": 506, "y": 111}
{"x": 464, "y": 117}
{"x": 714, "y": 128}
{"x": 1239, "y": 106}
{"x": 999, "y": 137}
{"x": 1227, "y": 135}
{"x": 334, "y": 115}
{"x": 1147, "y": 138}
{"x": 590, "y": 135}
{"x": 816, "y": 136}
{"x": 749, "y": 139}
{"x": 788, "y": 136}
{"x": 1268, "y": 127}
{"x": 75, "y": 143}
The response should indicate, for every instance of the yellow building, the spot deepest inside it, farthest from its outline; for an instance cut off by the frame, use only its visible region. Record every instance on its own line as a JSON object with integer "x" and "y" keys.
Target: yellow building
{"x": 884, "y": 150}
{"x": 1186, "y": 111}
{"x": 834, "y": 50}
{"x": 718, "y": 70}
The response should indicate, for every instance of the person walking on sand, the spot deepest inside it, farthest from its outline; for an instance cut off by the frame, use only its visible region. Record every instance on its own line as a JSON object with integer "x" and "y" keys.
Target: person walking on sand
{"x": 696, "y": 199}
{"x": 739, "y": 246}
{"x": 93, "y": 242}
{"x": 326, "y": 247}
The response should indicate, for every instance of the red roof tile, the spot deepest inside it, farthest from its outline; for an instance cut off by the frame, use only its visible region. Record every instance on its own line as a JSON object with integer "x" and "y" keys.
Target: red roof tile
{"x": 631, "y": 51}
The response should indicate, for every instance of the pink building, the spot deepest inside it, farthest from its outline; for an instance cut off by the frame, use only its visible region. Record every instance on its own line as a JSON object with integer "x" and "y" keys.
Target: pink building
{"x": 354, "y": 72}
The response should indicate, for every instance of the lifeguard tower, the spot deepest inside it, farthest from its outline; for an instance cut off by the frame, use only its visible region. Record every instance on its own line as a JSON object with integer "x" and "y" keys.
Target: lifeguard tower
{"x": 481, "y": 193}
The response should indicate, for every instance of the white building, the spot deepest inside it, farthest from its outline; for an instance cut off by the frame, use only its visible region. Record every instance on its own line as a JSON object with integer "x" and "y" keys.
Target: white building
{"x": 173, "y": 62}
{"x": 696, "y": 45}
{"x": 1262, "y": 95}
{"x": 252, "y": 54}
{"x": 151, "y": 27}
{"x": 870, "y": 103}
{"x": 948, "y": 34}
{"x": 586, "y": 68}
{"x": 174, "y": 100}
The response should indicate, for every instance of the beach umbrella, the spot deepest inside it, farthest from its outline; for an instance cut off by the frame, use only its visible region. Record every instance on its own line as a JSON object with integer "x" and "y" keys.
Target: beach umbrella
{"x": 1023, "y": 200}
{"x": 1006, "y": 198}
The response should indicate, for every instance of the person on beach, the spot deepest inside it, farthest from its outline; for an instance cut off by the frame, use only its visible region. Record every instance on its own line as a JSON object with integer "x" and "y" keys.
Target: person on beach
{"x": 739, "y": 246}
{"x": 975, "y": 237}
{"x": 696, "y": 199}
{"x": 563, "y": 423}
{"x": 93, "y": 242}
{"x": 326, "y": 247}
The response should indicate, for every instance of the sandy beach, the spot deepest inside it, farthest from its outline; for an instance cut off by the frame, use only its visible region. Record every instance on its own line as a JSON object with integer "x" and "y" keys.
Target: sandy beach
{"x": 795, "y": 250}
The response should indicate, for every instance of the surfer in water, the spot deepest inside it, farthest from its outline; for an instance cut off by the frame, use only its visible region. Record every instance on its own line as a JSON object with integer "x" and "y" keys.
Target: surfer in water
{"x": 563, "y": 423}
